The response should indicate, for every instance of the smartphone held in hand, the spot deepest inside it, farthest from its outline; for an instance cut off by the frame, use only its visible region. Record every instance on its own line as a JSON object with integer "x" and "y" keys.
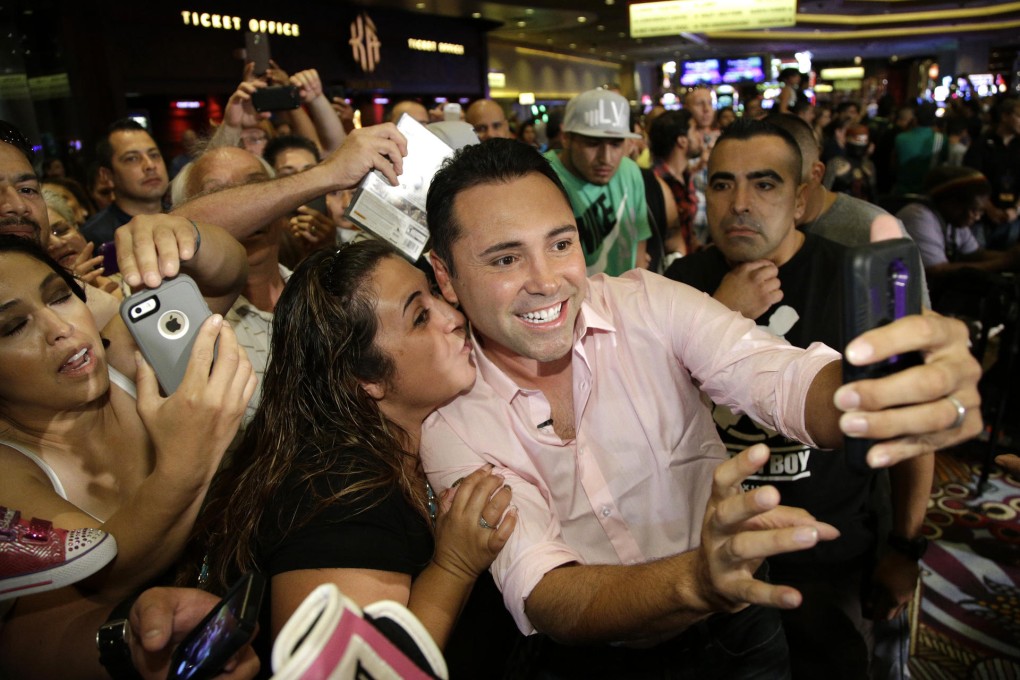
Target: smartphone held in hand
{"x": 222, "y": 633}
{"x": 277, "y": 98}
{"x": 881, "y": 283}
{"x": 164, "y": 322}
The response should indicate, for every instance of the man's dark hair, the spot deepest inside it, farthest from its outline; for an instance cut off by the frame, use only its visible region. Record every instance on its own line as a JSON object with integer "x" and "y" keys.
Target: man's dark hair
{"x": 954, "y": 185}
{"x": 744, "y": 129}
{"x": 927, "y": 114}
{"x": 494, "y": 161}
{"x": 843, "y": 107}
{"x": 277, "y": 145}
{"x": 13, "y": 136}
{"x": 104, "y": 150}
{"x": 665, "y": 130}
{"x": 787, "y": 73}
{"x": 799, "y": 129}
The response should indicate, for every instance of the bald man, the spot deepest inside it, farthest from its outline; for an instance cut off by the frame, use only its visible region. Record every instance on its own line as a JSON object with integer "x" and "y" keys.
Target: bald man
{"x": 415, "y": 109}
{"x": 487, "y": 119}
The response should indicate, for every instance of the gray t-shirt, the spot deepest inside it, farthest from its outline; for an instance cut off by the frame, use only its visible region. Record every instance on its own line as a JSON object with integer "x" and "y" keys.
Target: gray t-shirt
{"x": 848, "y": 221}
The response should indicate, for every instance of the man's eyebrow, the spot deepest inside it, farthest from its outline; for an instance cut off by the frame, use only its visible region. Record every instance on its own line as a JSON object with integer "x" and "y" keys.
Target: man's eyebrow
{"x": 765, "y": 174}
{"x": 26, "y": 177}
{"x": 505, "y": 245}
{"x": 721, "y": 175}
{"x": 410, "y": 298}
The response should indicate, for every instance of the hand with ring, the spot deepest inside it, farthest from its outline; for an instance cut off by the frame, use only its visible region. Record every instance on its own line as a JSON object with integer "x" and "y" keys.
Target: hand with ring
{"x": 475, "y": 521}
{"x": 313, "y": 228}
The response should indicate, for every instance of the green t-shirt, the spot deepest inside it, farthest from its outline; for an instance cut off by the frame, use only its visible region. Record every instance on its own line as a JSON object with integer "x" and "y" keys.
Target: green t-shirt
{"x": 611, "y": 219}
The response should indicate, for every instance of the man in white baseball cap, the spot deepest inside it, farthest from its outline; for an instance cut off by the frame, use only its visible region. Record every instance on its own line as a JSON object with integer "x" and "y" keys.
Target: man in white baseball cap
{"x": 606, "y": 192}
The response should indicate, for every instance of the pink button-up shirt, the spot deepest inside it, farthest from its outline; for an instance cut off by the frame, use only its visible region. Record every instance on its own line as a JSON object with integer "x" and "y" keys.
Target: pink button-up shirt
{"x": 632, "y": 486}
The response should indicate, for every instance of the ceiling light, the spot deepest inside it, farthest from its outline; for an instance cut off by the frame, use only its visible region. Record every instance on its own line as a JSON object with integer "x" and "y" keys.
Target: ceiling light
{"x": 610, "y": 2}
{"x": 522, "y": 24}
{"x": 601, "y": 27}
{"x": 420, "y": 5}
{"x": 582, "y": 20}
{"x": 857, "y": 60}
{"x": 573, "y": 46}
{"x": 476, "y": 15}
{"x": 529, "y": 11}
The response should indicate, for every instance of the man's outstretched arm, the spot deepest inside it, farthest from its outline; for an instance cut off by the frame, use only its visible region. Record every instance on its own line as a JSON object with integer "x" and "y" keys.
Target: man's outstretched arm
{"x": 587, "y": 604}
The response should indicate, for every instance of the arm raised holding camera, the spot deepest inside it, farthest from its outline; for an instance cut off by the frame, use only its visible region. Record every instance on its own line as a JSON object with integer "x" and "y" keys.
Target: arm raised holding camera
{"x": 242, "y": 210}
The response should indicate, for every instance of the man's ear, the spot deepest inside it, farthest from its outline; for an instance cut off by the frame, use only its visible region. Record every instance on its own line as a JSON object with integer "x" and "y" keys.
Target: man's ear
{"x": 818, "y": 171}
{"x": 443, "y": 278}
{"x": 105, "y": 174}
{"x": 375, "y": 390}
{"x": 800, "y": 202}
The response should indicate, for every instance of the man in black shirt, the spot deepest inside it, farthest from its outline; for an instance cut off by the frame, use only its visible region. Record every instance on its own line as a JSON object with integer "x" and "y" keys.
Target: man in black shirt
{"x": 764, "y": 267}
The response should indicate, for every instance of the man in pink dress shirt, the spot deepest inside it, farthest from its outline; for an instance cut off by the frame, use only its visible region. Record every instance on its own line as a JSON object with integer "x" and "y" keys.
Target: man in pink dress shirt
{"x": 633, "y": 530}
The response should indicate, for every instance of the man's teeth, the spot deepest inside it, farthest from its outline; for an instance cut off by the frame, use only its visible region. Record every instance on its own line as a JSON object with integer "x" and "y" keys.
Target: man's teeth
{"x": 543, "y": 315}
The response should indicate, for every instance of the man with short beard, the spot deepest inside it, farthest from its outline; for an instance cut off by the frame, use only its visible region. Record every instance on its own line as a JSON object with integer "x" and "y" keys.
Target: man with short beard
{"x": 22, "y": 209}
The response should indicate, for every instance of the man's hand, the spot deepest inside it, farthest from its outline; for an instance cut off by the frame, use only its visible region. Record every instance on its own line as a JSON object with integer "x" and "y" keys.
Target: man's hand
{"x": 380, "y": 147}
{"x": 308, "y": 83}
{"x": 1011, "y": 462}
{"x": 741, "y": 529}
{"x": 892, "y": 586}
{"x": 750, "y": 288}
{"x": 162, "y": 617}
{"x": 152, "y": 247}
{"x": 910, "y": 408}
{"x": 345, "y": 112}
{"x": 315, "y": 229}
{"x": 239, "y": 112}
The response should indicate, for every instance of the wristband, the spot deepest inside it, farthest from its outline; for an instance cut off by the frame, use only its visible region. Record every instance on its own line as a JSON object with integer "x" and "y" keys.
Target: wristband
{"x": 111, "y": 640}
{"x": 198, "y": 238}
{"x": 914, "y": 548}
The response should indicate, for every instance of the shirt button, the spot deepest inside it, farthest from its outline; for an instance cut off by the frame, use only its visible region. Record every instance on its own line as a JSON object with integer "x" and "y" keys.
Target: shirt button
{"x": 606, "y": 512}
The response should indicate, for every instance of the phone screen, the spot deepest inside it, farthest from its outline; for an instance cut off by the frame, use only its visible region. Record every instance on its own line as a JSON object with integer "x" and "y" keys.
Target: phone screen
{"x": 221, "y": 634}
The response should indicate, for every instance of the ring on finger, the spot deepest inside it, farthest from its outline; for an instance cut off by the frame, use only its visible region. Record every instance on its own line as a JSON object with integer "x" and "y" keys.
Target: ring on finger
{"x": 483, "y": 524}
{"x": 961, "y": 412}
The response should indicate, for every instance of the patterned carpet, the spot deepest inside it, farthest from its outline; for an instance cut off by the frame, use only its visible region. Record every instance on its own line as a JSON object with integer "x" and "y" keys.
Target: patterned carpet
{"x": 969, "y": 623}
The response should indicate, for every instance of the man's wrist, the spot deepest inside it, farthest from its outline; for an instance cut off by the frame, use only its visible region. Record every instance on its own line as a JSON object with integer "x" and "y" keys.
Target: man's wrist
{"x": 913, "y": 548}
{"x": 112, "y": 643}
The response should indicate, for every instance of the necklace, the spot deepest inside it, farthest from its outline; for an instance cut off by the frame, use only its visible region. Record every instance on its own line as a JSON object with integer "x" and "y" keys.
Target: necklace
{"x": 430, "y": 502}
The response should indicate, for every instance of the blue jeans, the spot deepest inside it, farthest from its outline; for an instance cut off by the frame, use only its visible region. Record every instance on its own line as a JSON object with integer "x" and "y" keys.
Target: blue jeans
{"x": 748, "y": 645}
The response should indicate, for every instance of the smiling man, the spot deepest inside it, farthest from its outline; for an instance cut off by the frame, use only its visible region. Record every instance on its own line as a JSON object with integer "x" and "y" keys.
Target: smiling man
{"x": 128, "y": 157}
{"x": 633, "y": 528}
{"x": 604, "y": 186}
{"x": 762, "y": 266}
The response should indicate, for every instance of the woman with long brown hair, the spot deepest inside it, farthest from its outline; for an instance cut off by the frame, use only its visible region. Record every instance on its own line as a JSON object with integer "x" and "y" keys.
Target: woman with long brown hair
{"x": 327, "y": 484}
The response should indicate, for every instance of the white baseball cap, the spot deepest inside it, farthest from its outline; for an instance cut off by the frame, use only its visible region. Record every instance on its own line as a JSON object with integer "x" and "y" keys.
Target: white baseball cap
{"x": 599, "y": 113}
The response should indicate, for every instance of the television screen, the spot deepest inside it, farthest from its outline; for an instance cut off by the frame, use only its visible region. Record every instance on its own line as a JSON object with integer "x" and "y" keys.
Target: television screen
{"x": 704, "y": 72}
{"x": 748, "y": 69}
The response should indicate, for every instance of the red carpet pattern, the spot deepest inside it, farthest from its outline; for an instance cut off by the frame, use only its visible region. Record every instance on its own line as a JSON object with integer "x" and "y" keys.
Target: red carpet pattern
{"x": 970, "y": 613}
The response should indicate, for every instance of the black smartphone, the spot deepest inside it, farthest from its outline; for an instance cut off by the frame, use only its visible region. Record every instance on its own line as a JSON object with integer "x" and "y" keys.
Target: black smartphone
{"x": 221, "y": 634}
{"x": 256, "y": 49}
{"x": 109, "y": 252}
{"x": 881, "y": 283}
{"x": 276, "y": 98}
{"x": 318, "y": 203}
{"x": 164, "y": 322}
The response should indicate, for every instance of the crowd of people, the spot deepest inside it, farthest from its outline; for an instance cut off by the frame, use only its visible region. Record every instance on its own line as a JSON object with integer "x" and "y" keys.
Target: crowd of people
{"x": 600, "y": 423}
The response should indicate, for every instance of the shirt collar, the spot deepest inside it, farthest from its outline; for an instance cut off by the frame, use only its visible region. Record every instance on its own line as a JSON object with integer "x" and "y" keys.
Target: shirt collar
{"x": 589, "y": 320}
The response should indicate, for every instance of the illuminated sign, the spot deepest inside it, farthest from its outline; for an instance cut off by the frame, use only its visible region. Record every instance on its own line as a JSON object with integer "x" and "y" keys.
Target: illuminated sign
{"x": 432, "y": 46}
{"x": 843, "y": 73}
{"x": 365, "y": 43}
{"x": 651, "y": 19}
{"x": 232, "y": 23}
